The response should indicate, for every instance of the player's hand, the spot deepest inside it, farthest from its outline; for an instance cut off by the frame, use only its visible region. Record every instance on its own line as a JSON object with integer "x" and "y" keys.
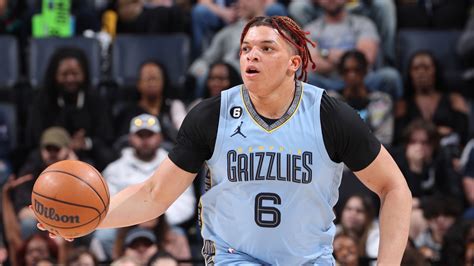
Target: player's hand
{"x": 52, "y": 235}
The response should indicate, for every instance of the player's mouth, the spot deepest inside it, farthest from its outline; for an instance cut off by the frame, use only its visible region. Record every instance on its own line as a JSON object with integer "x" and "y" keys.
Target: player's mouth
{"x": 251, "y": 71}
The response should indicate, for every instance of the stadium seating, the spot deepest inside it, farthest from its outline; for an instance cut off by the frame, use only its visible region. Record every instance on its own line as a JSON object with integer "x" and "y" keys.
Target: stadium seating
{"x": 9, "y": 111}
{"x": 442, "y": 43}
{"x": 9, "y": 56}
{"x": 41, "y": 50}
{"x": 129, "y": 52}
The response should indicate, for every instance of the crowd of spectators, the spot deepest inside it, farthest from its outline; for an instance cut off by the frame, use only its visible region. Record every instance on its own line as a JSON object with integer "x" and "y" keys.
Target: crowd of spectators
{"x": 423, "y": 118}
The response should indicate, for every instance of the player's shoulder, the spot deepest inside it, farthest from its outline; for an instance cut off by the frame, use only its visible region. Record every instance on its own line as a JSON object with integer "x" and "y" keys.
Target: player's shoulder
{"x": 205, "y": 109}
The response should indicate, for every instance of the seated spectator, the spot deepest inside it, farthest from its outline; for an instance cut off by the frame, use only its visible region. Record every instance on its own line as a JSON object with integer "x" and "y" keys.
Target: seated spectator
{"x": 54, "y": 146}
{"x": 381, "y": 12}
{"x": 209, "y": 16}
{"x": 67, "y": 100}
{"x": 222, "y": 76}
{"x": 374, "y": 107}
{"x": 440, "y": 213}
{"x": 126, "y": 261}
{"x": 225, "y": 45}
{"x": 162, "y": 258}
{"x": 338, "y": 31}
{"x": 345, "y": 249}
{"x": 427, "y": 98}
{"x": 458, "y": 247}
{"x": 137, "y": 163}
{"x": 10, "y": 17}
{"x": 81, "y": 257}
{"x": 133, "y": 17}
{"x": 141, "y": 244}
{"x": 154, "y": 89}
{"x": 358, "y": 217}
{"x": 36, "y": 248}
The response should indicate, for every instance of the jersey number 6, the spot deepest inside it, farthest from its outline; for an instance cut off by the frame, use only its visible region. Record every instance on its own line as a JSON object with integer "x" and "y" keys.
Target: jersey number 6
{"x": 266, "y": 216}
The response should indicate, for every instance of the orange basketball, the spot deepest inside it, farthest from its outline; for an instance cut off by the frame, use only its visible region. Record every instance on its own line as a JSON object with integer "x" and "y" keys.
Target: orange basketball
{"x": 70, "y": 198}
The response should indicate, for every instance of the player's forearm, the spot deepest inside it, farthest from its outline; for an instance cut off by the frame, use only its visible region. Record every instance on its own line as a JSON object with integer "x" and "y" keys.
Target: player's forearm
{"x": 394, "y": 225}
{"x": 133, "y": 205}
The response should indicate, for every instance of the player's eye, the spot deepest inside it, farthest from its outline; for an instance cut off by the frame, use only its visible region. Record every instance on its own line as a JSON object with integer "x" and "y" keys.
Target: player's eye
{"x": 267, "y": 49}
{"x": 244, "y": 49}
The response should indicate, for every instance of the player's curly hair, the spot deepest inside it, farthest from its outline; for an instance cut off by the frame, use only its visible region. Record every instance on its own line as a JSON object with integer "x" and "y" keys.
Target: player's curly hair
{"x": 292, "y": 32}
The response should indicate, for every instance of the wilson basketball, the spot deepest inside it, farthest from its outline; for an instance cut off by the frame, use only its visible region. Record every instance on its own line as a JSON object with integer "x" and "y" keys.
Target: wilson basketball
{"x": 70, "y": 198}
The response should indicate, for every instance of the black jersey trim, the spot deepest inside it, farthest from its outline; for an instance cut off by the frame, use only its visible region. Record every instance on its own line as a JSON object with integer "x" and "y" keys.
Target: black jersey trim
{"x": 282, "y": 120}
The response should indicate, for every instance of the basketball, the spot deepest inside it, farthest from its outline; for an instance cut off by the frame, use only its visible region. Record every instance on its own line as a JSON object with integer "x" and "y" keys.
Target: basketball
{"x": 70, "y": 198}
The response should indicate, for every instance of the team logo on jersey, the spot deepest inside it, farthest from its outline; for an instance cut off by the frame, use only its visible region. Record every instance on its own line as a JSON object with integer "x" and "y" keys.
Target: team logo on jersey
{"x": 238, "y": 130}
{"x": 236, "y": 112}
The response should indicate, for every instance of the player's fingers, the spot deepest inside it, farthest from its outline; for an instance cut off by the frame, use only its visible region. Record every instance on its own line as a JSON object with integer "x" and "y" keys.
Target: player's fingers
{"x": 69, "y": 239}
{"x": 40, "y": 226}
{"x": 51, "y": 235}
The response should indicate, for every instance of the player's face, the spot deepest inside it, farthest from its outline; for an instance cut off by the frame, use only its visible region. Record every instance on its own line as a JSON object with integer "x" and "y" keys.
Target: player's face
{"x": 266, "y": 59}
{"x": 150, "y": 83}
{"x": 218, "y": 79}
{"x": 422, "y": 72}
{"x": 70, "y": 75}
{"x": 353, "y": 214}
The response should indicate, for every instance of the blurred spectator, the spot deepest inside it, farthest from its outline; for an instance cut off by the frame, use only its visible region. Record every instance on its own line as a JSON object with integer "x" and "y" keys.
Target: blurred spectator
{"x": 225, "y": 45}
{"x": 375, "y": 108}
{"x": 381, "y": 12}
{"x": 137, "y": 163}
{"x": 439, "y": 14}
{"x": 458, "y": 247}
{"x": 427, "y": 97}
{"x": 162, "y": 258}
{"x": 412, "y": 257}
{"x": 37, "y": 248}
{"x": 140, "y": 243}
{"x": 154, "y": 89}
{"x": 6, "y": 147}
{"x": 10, "y": 17}
{"x": 222, "y": 76}
{"x": 133, "y": 17}
{"x": 81, "y": 257}
{"x": 345, "y": 249}
{"x": 67, "y": 100}
{"x": 209, "y": 16}
{"x": 126, "y": 261}
{"x": 465, "y": 48}
{"x": 468, "y": 182}
{"x": 440, "y": 212}
{"x": 54, "y": 146}
{"x": 358, "y": 217}
{"x": 167, "y": 238}
{"x": 338, "y": 31}
{"x": 3, "y": 251}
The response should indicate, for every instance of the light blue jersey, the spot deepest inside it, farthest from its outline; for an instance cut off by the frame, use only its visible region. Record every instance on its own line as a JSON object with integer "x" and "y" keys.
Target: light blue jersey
{"x": 271, "y": 188}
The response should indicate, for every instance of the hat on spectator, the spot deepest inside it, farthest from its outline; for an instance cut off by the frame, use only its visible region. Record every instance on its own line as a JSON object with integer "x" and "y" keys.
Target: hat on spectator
{"x": 145, "y": 122}
{"x": 139, "y": 233}
{"x": 55, "y": 136}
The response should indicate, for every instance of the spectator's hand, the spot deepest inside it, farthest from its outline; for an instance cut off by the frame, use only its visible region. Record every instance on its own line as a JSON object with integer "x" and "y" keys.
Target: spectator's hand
{"x": 78, "y": 141}
{"x": 415, "y": 156}
{"x": 13, "y": 182}
{"x": 3, "y": 255}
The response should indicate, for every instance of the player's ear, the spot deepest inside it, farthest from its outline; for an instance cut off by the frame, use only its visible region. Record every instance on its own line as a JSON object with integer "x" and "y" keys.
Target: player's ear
{"x": 295, "y": 62}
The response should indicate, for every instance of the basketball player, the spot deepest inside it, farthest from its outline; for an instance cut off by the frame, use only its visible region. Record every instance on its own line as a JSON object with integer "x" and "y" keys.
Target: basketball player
{"x": 275, "y": 149}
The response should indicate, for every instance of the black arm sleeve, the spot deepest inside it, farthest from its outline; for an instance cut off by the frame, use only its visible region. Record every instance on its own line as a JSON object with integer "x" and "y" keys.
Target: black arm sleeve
{"x": 197, "y": 136}
{"x": 347, "y": 138}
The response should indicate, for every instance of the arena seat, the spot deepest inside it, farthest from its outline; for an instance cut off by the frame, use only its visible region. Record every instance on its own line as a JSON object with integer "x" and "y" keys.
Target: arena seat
{"x": 129, "y": 52}
{"x": 9, "y": 56}
{"x": 41, "y": 50}
{"x": 442, "y": 43}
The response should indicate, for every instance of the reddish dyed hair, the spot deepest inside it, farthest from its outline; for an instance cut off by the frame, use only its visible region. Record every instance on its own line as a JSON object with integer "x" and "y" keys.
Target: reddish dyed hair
{"x": 291, "y": 32}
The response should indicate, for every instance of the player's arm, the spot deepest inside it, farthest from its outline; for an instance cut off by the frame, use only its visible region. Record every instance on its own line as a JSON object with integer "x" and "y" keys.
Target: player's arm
{"x": 148, "y": 200}
{"x": 384, "y": 178}
{"x": 348, "y": 139}
{"x": 195, "y": 144}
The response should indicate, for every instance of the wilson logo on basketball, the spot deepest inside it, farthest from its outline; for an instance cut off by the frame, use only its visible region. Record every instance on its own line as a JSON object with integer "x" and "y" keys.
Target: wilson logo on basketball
{"x": 50, "y": 213}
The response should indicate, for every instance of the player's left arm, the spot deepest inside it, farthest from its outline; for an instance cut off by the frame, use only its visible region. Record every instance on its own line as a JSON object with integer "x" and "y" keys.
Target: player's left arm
{"x": 384, "y": 178}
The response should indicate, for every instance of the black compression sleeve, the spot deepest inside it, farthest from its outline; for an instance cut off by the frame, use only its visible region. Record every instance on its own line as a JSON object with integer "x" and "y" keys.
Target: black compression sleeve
{"x": 347, "y": 138}
{"x": 197, "y": 136}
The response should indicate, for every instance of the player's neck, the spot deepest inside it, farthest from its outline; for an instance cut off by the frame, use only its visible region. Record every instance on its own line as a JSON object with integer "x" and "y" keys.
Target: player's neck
{"x": 275, "y": 104}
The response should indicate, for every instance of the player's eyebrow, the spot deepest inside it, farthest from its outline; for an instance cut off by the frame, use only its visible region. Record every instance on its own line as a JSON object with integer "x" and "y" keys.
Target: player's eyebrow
{"x": 262, "y": 42}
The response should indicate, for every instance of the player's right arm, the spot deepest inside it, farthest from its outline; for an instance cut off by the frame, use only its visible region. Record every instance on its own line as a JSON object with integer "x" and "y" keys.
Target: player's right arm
{"x": 148, "y": 200}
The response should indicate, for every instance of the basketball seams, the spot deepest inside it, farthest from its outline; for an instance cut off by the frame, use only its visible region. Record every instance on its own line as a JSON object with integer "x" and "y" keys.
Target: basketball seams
{"x": 66, "y": 202}
{"x": 102, "y": 181}
{"x": 84, "y": 181}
